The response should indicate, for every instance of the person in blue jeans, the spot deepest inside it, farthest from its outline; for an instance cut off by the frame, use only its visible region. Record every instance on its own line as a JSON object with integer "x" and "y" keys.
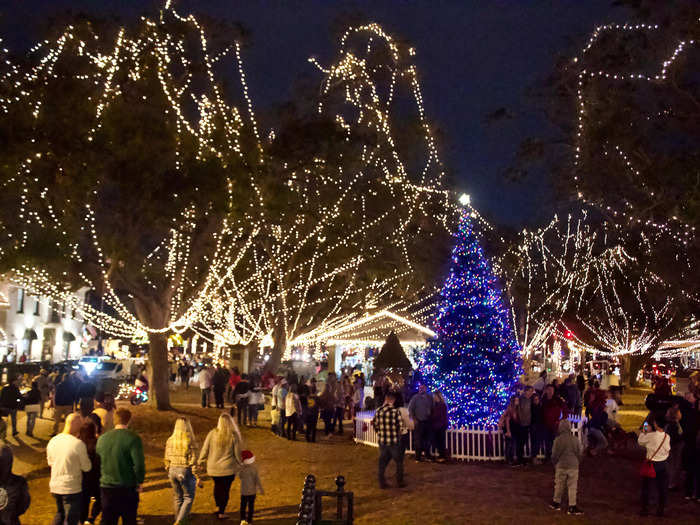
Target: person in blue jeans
{"x": 180, "y": 462}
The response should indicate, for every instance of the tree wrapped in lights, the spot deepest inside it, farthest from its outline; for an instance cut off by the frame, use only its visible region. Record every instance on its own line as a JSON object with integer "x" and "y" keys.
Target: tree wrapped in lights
{"x": 474, "y": 359}
{"x": 118, "y": 175}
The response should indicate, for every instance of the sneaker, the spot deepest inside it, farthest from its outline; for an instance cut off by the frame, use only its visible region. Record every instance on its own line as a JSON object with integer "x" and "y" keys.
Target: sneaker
{"x": 574, "y": 510}
{"x": 554, "y": 505}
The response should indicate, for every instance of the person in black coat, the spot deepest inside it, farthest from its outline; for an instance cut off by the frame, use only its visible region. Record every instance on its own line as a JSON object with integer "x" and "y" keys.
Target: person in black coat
{"x": 15, "y": 488}
{"x": 220, "y": 381}
{"x": 32, "y": 406}
{"x": 64, "y": 399}
{"x": 11, "y": 400}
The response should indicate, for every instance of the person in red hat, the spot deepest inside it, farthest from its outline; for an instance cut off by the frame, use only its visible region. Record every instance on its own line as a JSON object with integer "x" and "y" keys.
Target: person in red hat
{"x": 250, "y": 485}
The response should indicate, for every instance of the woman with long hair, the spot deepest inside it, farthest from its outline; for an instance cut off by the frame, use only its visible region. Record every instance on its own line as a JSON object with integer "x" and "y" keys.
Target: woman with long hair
{"x": 222, "y": 454}
{"x": 180, "y": 462}
{"x": 91, "y": 480}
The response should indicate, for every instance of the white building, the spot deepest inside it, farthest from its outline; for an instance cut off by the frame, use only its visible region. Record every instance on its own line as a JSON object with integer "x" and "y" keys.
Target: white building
{"x": 29, "y": 326}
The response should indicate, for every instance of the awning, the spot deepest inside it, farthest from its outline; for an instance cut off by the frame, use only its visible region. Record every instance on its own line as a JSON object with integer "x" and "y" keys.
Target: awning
{"x": 30, "y": 335}
{"x": 68, "y": 337}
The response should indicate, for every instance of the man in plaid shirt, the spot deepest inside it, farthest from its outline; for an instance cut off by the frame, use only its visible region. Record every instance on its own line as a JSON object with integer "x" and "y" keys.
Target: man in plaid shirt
{"x": 388, "y": 424}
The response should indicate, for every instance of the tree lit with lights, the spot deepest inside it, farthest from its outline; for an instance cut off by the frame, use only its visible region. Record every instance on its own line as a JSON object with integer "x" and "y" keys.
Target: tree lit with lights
{"x": 474, "y": 359}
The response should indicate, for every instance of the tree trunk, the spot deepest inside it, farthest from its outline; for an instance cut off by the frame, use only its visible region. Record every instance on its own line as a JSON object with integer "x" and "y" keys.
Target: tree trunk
{"x": 631, "y": 365}
{"x": 158, "y": 371}
{"x": 279, "y": 336}
{"x": 153, "y": 313}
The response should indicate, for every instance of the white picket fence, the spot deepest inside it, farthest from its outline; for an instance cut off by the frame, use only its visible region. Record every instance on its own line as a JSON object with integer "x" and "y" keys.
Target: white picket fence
{"x": 471, "y": 443}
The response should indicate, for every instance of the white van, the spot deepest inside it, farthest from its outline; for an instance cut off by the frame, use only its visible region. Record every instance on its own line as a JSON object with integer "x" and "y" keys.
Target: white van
{"x": 110, "y": 369}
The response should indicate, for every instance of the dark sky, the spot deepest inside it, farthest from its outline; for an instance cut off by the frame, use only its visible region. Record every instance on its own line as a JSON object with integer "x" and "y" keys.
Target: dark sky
{"x": 474, "y": 56}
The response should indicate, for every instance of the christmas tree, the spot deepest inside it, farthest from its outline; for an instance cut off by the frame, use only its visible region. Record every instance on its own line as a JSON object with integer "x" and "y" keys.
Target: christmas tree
{"x": 474, "y": 360}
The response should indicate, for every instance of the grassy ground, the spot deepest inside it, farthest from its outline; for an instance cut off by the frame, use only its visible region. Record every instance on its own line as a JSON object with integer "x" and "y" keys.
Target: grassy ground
{"x": 446, "y": 494}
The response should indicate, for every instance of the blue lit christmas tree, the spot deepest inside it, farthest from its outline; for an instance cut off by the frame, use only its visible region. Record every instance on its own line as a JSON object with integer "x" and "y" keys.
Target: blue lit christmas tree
{"x": 474, "y": 360}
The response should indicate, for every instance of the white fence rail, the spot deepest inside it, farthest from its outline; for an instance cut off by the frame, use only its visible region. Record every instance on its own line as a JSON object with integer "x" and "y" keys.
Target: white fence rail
{"x": 471, "y": 443}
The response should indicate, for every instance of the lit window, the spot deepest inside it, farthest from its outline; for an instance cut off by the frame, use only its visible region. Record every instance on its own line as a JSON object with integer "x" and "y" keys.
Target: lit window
{"x": 20, "y": 300}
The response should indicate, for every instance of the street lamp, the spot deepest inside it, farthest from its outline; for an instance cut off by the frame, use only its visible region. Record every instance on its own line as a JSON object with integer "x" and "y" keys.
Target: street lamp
{"x": 464, "y": 199}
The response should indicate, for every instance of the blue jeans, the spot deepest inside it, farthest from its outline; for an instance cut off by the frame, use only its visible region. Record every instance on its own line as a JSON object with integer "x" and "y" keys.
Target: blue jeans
{"x": 184, "y": 485}
{"x": 31, "y": 420}
{"x": 386, "y": 454}
{"x": 67, "y": 509}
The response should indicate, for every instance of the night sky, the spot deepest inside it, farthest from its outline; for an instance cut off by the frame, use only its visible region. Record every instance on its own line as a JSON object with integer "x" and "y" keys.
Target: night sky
{"x": 474, "y": 56}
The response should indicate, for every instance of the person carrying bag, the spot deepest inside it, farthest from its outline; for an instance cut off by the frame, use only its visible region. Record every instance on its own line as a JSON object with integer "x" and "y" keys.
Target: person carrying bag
{"x": 658, "y": 446}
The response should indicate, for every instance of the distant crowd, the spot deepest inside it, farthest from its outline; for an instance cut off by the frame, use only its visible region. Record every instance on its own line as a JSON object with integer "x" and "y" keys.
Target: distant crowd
{"x": 538, "y": 422}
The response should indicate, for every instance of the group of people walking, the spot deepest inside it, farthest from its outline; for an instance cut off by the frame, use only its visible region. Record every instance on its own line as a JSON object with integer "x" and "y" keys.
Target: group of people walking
{"x": 96, "y": 471}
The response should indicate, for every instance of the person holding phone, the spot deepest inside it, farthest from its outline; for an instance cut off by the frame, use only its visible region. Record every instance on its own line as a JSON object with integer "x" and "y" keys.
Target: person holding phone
{"x": 658, "y": 446}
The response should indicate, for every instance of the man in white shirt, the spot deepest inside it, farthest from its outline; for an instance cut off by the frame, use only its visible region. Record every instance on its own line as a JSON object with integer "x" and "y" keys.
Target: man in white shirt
{"x": 205, "y": 384}
{"x": 68, "y": 458}
{"x": 658, "y": 446}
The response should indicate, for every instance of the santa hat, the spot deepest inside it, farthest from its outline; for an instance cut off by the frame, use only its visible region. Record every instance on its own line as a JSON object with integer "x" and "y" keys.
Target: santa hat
{"x": 247, "y": 457}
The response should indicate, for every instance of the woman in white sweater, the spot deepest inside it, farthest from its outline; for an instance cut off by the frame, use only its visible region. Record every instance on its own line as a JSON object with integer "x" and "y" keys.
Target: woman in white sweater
{"x": 658, "y": 445}
{"x": 222, "y": 454}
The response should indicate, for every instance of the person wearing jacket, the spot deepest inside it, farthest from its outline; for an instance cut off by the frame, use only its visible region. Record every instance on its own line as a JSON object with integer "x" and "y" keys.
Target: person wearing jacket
{"x": 68, "y": 458}
{"x": 566, "y": 456}
{"x": 522, "y": 427}
{"x": 32, "y": 407}
{"x": 250, "y": 486}
{"x": 420, "y": 408}
{"x": 572, "y": 395}
{"x": 180, "y": 461}
{"x": 439, "y": 423}
{"x": 256, "y": 399}
{"x": 553, "y": 410}
{"x": 11, "y": 400}
{"x": 63, "y": 401}
{"x": 220, "y": 382}
{"x": 222, "y": 456}
{"x": 91, "y": 479}
{"x": 42, "y": 380}
{"x": 15, "y": 488}
{"x": 240, "y": 395}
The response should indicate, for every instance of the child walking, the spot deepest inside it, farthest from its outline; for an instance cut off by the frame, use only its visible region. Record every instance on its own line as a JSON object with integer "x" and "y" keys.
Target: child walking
{"x": 250, "y": 485}
{"x": 566, "y": 456}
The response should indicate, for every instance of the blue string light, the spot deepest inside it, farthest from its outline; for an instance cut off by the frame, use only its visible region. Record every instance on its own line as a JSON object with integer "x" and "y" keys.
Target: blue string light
{"x": 474, "y": 360}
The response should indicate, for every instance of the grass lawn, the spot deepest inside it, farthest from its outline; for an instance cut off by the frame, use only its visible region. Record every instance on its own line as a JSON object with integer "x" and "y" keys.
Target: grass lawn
{"x": 446, "y": 494}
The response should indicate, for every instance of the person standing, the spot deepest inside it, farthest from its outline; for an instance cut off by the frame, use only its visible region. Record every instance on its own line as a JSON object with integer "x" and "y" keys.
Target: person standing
{"x": 44, "y": 385}
{"x": 15, "y": 489}
{"x": 122, "y": 471}
{"x": 205, "y": 384}
{"x": 311, "y": 418}
{"x": 184, "y": 371}
{"x": 250, "y": 486}
{"x": 281, "y": 396}
{"x": 180, "y": 461}
{"x": 388, "y": 425}
{"x": 541, "y": 382}
{"x": 658, "y": 446}
{"x": 523, "y": 426}
{"x": 221, "y": 453}
{"x": 219, "y": 384}
{"x": 292, "y": 409}
{"x": 68, "y": 458}
{"x": 691, "y": 448}
{"x": 675, "y": 433}
{"x": 32, "y": 407}
{"x": 11, "y": 400}
{"x": 553, "y": 410}
{"x": 91, "y": 479}
{"x": 105, "y": 410}
{"x": 572, "y": 395}
{"x": 439, "y": 423}
{"x": 420, "y": 408}
{"x": 566, "y": 456}
{"x": 256, "y": 399}
{"x": 64, "y": 399}
{"x": 240, "y": 395}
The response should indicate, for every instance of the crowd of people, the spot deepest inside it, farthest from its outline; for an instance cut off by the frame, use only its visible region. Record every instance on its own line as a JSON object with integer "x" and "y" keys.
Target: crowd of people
{"x": 538, "y": 423}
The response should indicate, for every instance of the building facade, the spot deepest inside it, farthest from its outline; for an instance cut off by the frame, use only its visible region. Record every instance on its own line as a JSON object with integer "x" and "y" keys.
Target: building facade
{"x": 31, "y": 330}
